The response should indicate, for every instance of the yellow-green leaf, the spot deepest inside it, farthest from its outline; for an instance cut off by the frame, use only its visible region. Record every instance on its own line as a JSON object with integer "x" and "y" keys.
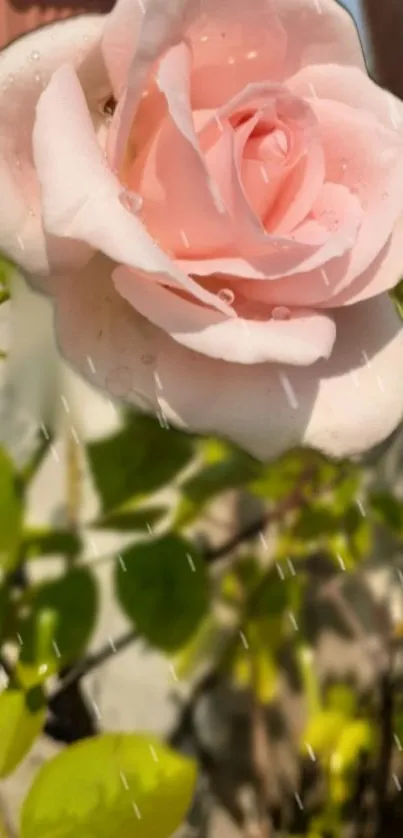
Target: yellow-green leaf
{"x": 358, "y": 737}
{"x": 111, "y": 786}
{"x": 323, "y": 732}
{"x": 11, "y": 512}
{"x": 22, "y": 716}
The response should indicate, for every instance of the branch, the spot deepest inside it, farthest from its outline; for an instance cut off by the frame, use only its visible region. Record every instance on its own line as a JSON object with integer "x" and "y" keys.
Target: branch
{"x": 92, "y": 662}
{"x": 291, "y": 502}
{"x": 382, "y": 774}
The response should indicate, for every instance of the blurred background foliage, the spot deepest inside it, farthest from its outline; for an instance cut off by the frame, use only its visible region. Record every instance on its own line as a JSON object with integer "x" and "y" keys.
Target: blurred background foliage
{"x": 275, "y": 593}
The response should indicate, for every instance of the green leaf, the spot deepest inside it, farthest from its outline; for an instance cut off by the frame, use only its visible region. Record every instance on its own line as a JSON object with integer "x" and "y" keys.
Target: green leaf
{"x": 315, "y": 522}
{"x": 11, "y": 513}
{"x": 205, "y": 646}
{"x": 130, "y": 520}
{"x": 138, "y": 460}
{"x": 111, "y": 786}
{"x": 211, "y": 480}
{"x": 162, "y": 586}
{"x": 61, "y": 622}
{"x": 388, "y": 509}
{"x": 272, "y": 596}
{"x": 22, "y": 716}
{"x": 279, "y": 479}
{"x": 38, "y": 543}
{"x": 4, "y": 609}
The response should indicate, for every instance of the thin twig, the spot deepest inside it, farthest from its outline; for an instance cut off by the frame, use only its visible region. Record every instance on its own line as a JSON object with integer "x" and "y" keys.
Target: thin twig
{"x": 252, "y": 530}
{"x": 383, "y": 770}
{"x": 93, "y": 661}
{"x": 31, "y": 469}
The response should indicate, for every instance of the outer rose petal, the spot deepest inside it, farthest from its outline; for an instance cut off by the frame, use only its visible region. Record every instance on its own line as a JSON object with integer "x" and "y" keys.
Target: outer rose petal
{"x": 25, "y": 66}
{"x": 105, "y": 338}
{"x": 301, "y": 339}
{"x": 319, "y": 32}
{"x": 342, "y": 406}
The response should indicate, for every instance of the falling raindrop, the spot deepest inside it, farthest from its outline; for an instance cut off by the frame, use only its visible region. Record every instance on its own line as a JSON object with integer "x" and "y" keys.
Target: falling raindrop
{"x": 289, "y": 390}
{"x": 131, "y": 201}
{"x": 136, "y": 811}
{"x": 123, "y": 778}
{"x": 226, "y": 296}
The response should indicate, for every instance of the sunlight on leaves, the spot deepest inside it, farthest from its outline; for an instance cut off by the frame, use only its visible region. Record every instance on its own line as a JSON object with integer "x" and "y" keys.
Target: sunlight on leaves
{"x": 112, "y": 786}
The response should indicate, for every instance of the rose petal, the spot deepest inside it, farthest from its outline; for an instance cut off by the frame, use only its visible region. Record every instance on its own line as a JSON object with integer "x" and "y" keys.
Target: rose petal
{"x": 25, "y": 66}
{"x": 234, "y": 44}
{"x": 104, "y": 338}
{"x": 299, "y": 284}
{"x": 81, "y": 199}
{"x": 301, "y": 339}
{"x": 119, "y": 41}
{"x": 342, "y": 406}
{"x": 319, "y": 32}
{"x": 351, "y": 86}
{"x": 194, "y": 222}
{"x": 369, "y": 163}
{"x": 383, "y": 274}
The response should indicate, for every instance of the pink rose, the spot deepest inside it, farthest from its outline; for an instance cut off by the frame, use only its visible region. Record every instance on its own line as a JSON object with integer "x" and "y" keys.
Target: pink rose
{"x": 212, "y": 193}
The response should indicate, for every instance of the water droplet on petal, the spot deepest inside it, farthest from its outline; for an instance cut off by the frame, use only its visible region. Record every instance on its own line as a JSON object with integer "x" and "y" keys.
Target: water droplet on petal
{"x": 131, "y": 201}
{"x": 38, "y": 78}
{"x": 226, "y": 296}
{"x": 147, "y": 358}
{"x": 344, "y": 164}
{"x": 35, "y": 55}
{"x": 281, "y": 313}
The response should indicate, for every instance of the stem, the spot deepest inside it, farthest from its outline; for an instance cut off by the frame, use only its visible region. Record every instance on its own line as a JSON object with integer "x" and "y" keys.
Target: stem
{"x": 93, "y": 661}
{"x": 291, "y": 502}
{"x": 37, "y": 459}
{"x": 382, "y": 774}
{"x": 73, "y": 482}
